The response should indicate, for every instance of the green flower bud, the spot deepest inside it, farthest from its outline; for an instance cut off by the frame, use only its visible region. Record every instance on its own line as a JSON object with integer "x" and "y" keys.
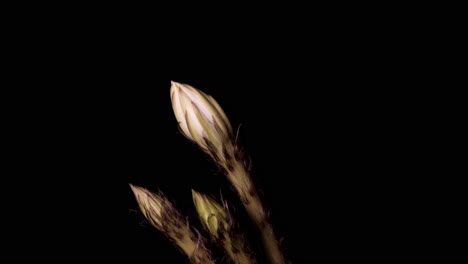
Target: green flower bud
{"x": 212, "y": 214}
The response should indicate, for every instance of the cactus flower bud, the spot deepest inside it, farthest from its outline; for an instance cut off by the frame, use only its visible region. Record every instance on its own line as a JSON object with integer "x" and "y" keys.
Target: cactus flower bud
{"x": 202, "y": 120}
{"x": 212, "y": 214}
{"x": 160, "y": 213}
{"x": 150, "y": 205}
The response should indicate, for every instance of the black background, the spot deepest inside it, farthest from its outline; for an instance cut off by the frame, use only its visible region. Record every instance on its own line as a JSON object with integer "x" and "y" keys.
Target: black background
{"x": 353, "y": 137}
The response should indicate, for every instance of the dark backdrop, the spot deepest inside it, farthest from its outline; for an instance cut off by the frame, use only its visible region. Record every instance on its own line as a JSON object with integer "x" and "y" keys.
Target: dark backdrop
{"x": 352, "y": 135}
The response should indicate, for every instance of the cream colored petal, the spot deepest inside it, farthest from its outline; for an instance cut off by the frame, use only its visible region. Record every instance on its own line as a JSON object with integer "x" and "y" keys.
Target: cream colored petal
{"x": 179, "y": 112}
{"x": 195, "y": 127}
{"x": 208, "y": 129}
{"x": 187, "y": 108}
{"x": 199, "y": 99}
{"x": 220, "y": 113}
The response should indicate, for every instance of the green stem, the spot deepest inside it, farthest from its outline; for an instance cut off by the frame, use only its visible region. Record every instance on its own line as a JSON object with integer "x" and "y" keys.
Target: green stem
{"x": 248, "y": 195}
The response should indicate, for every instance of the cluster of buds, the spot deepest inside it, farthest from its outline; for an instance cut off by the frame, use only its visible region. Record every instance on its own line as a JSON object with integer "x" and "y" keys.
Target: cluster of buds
{"x": 162, "y": 215}
{"x": 218, "y": 222}
{"x": 204, "y": 122}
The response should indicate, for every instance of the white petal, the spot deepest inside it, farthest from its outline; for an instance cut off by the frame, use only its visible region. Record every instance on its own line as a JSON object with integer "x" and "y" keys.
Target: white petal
{"x": 198, "y": 99}
{"x": 221, "y": 115}
{"x": 194, "y": 121}
{"x": 179, "y": 111}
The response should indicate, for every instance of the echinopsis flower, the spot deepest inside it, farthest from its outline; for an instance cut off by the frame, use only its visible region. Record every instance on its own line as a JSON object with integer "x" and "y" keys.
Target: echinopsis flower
{"x": 202, "y": 120}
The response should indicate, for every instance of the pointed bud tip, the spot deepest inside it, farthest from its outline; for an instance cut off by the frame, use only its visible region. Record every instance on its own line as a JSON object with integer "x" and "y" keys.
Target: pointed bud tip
{"x": 137, "y": 190}
{"x": 173, "y": 85}
{"x": 196, "y": 195}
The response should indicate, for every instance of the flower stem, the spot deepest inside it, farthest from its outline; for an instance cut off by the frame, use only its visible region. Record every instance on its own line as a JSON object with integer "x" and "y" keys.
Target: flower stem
{"x": 196, "y": 253}
{"x": 249, "y": 197}
{"x": 238, "y": 256}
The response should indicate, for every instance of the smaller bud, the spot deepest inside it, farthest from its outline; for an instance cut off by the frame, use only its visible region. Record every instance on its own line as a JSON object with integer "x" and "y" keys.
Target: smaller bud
{"x": 151, "y": 205}
{"x": 212, "y": 214}
{"x": 162, "y": 215}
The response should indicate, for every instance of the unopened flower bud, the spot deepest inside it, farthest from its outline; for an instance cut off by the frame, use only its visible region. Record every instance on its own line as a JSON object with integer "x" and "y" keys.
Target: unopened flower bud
{"x": 212, "y": 214}
{"x": 151, "y": 205}
{"x": 202, "y": 120}
{"x": 160, "y": 213}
